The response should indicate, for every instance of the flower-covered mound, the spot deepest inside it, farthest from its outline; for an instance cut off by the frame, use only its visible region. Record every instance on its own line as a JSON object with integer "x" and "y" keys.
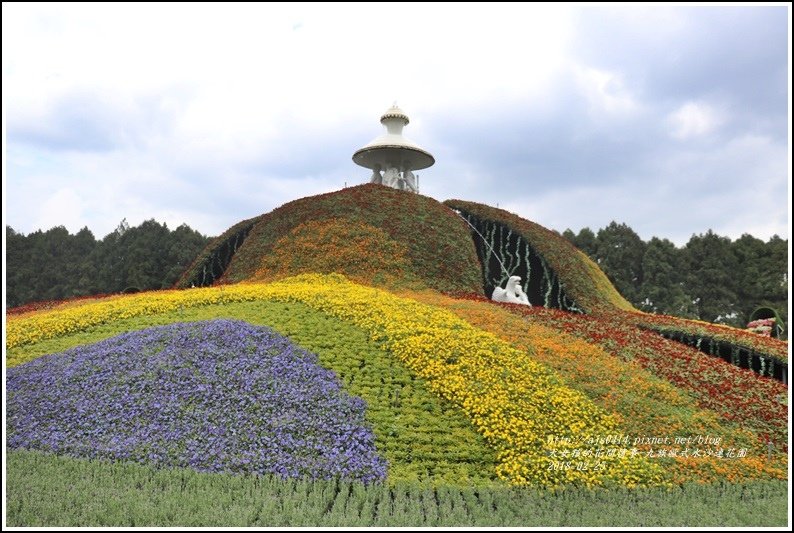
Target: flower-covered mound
{"x": 216, "y": 396}
{"x": 388, "y": 238}
{"x": 433, "y": 244}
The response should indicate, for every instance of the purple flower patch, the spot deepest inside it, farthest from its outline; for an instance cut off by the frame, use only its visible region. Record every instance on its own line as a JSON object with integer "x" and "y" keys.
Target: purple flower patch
{"x": 216, "y": 396}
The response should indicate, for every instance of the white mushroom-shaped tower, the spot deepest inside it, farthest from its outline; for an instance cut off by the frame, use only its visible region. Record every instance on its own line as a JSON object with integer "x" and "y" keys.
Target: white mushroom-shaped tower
{"x": 393, "y": 158}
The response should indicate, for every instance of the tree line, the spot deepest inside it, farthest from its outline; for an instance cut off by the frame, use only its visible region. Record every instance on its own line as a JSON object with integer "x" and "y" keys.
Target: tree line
{"x": 710, "y": 278}
{"x": 56, "y": 265}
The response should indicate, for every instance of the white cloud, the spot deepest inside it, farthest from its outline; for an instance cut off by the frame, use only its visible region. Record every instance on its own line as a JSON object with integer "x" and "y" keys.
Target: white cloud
{"x": 248, "y": 65}
{"x": 605, "y": 91}
{"x": 64, "y": 207}
{"x": 693, "y": 120}
{"x": 733, "y": 188}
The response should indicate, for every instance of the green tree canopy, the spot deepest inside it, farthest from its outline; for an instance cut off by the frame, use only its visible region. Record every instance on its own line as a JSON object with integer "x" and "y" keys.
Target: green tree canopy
{"x": 56, "y": 265}
{"x": 619, "y": 251}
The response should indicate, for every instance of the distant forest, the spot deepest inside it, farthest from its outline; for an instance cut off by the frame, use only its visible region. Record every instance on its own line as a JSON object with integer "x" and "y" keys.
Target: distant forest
{"x": 711, "y": 278}
{"x": 56, "y": 265}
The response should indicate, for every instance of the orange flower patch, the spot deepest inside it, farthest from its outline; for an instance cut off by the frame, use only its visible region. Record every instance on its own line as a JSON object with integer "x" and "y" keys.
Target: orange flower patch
{"x": 360, "y": 251}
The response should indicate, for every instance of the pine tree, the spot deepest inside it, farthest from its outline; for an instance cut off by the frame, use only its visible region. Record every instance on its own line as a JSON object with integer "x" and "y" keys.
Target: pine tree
{"x": 711, "y": 278}
{"x": 619, "y": 251}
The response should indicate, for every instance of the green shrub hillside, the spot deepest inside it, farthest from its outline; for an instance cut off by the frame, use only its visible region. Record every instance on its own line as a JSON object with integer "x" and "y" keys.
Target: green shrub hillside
{"x": 368, "y": 232}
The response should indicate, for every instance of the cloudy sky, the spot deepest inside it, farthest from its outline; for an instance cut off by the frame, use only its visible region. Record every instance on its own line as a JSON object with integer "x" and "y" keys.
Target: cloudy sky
{"x": 673, "y": 120}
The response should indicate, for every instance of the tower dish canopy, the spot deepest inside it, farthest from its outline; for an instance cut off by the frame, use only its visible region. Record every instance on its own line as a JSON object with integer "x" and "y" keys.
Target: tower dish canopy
{"x": 393, "y": 154}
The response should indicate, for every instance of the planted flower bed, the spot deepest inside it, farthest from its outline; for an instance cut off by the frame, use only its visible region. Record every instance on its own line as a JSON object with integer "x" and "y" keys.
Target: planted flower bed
{"x": 424, "y": 439}
{"x": 759, "y": 363}
{"x": 217, "y": 396}
{"x": 769, "y": 348}
{"x": 736, "y": 394}
{"x": 51, "y": 304}
{"x": 515, "y": 403}
{"x": 362, "y": 251}
{"x": 645, "y": 404}
{"x": 435, "y": 244}
{"x": 522, "y": 409}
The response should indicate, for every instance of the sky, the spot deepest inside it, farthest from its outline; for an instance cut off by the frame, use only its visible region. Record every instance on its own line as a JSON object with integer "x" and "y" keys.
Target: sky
{"x": 671, "y": 119}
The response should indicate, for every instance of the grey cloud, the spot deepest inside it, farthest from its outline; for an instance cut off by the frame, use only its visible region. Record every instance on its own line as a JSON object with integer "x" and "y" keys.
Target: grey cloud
{"x": 75, "y": 122}
{"x": 549, "y": 150}
{"x": 733, "y": 53}
{"x": 631, "y": 166}
{"x": 90, "y": 121}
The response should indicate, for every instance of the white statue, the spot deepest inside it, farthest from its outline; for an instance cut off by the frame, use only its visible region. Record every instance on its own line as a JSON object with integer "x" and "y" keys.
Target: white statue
{"x": 512, "y": 293}
{"x": 409, "y": 180}
{"x": 391, "y": 178}
{"x": 377, "y": 177}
